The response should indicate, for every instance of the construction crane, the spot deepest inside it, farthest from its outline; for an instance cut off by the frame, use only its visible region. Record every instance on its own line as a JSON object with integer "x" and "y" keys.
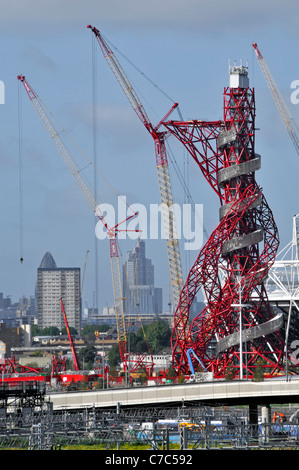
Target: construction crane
{"x": 111, "y": 231}
{"x": 74, "y": 354}
{"x": 159, "y": 137}
{"x": 279, "y": 101}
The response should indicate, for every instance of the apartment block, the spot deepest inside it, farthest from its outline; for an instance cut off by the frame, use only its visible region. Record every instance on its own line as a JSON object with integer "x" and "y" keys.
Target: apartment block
{"x": 53, "y": 284}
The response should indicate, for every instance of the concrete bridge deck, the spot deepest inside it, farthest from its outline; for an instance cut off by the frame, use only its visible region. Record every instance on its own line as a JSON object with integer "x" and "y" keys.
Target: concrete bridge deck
{"x": 210, "y": 393}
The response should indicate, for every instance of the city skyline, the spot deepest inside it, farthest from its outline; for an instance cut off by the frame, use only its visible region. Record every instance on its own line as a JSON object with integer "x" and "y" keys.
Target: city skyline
{"x": 185, "y": 50}
{"x": 141, "y": 294}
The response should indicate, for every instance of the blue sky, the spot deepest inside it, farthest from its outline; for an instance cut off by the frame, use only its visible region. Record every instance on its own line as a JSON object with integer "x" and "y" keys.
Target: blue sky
{"x": 182, "y": 46}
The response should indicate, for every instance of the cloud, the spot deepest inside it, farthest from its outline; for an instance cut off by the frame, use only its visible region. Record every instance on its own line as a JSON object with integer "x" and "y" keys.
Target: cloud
{"x": 38, "y": 57}
{"x": 117, "y": 126}
{"x": 178, "y": 15}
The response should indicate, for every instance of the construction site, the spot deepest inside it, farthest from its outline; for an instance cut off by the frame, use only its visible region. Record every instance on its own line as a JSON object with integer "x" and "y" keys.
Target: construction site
{"x": 246, "y": 330}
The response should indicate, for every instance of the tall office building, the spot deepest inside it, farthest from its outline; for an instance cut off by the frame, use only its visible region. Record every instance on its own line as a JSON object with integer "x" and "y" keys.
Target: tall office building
{"x": 53, "y": 284}
{"x": 141, "y": 295}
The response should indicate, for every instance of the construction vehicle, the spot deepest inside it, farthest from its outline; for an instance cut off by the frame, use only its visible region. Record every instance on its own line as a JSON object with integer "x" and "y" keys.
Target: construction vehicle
{"x": 173, "y": 250}
{"x": 111, "y": 231}
{"x": 278, "y": 417}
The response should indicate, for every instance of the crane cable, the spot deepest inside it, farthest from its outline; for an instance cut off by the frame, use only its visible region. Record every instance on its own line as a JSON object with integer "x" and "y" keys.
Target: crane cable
{"x": 144, "y": 76}
{"x": 20, "y": 155}
{"x": 89, "y": 162}
{"x": 95, "y": 161}
{"x": 172, "y": 159}
{"x": 139, "y": 71}
{"x": 181, "y": 177}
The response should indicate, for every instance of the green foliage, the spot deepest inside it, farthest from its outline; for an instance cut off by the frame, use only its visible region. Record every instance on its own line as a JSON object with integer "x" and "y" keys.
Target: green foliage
{"x": 156, "y": 335}
{"x": 52, "y": 331}
{"x": 98, "y": 385}
{"x": 114, "y": 357}
{"x": 142, "y": 376}
{"x": 181, "y": 379}
{"x": 72, "y": 386}
{"x": 49, "y": 331}
{"x": 230, "y": 373}
{"x": 258, "y": 373}
{"x": 90, "y": 330}
{"x": 73, "y": 331}
{"x": 87, "y": 355}
{"x": 171, "y": 373}
{"x": 37, "y": 354}
{"x": 152, "y": 338}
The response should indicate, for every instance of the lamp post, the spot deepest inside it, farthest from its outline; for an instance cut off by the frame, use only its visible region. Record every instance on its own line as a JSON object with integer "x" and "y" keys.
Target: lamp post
{"x": 240, "y": 305}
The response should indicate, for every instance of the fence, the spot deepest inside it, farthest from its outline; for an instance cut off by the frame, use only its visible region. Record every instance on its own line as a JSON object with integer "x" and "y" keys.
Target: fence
{"x": 47, "y": 430}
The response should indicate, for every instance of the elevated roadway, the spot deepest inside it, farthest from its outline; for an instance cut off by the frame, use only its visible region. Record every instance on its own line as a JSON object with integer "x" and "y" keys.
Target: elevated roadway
{"x": 209, "y": 393}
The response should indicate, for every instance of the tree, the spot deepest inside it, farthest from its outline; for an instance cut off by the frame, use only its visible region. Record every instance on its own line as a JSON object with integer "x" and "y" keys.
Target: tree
{"x": 155, "y": 337}
{"x": 73, "y": 331}
{"x": 142, "y": 376}
{"x": 181, "y": 379}
{"x": 114, "y": 357}
{"x": 49, "y": 331}
{"x": 136, "y": 342}
{"x": 87, "y": 355}
{"x": 258, "y": 373}
{"x": 158, "y": 336}
{"x": 90, "y": 330}
{"x": 229, "y": 372}
{"x": 171, "y": 374}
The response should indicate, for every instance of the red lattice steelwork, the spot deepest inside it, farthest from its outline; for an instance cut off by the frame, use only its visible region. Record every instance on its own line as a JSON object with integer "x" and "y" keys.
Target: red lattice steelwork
{"x": 232, "y": 265}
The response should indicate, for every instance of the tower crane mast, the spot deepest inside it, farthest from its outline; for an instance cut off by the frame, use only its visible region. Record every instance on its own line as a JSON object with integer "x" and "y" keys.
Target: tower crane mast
{"x": 111, "y": 231}
{"x": 279, "y": 101}
{"x": 165, "y": 188}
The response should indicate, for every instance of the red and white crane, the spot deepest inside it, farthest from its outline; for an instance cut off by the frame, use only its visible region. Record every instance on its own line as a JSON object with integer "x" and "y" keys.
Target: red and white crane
{"x": 111, "y": 231}
{"x": 278, "y": 99}
{"x": 173, "y": 249}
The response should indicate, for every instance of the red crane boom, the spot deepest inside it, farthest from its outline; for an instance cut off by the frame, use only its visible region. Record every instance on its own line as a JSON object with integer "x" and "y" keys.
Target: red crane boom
{"x": 75, "y": 357}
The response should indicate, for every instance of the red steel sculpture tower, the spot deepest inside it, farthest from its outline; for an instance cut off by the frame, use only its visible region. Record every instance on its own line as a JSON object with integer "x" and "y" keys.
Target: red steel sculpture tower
{"x": 237, "y": 329}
